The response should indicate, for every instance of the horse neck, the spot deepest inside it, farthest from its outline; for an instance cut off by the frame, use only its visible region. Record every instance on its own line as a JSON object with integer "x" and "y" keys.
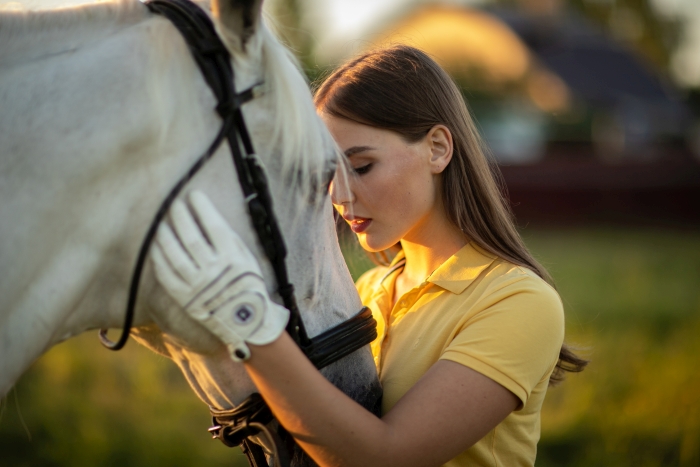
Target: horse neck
{"x": 34, "y": 35}
{"x": 92, "y": 143}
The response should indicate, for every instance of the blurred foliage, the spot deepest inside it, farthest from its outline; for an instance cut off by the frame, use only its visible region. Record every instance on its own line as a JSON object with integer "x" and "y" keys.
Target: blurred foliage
{"x": 633, "y": 307}
{"x": 633, "y": 302}
{"x": 80, "y": 405}
{"x": 634, "y": 22}
{"x": 287, "y": 18}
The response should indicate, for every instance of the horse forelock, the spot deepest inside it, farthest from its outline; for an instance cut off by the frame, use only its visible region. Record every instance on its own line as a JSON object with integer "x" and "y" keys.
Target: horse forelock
{"x": 302, "y": 143}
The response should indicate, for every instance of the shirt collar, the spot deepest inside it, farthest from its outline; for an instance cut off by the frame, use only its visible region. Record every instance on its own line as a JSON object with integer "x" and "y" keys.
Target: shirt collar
{"x": 461, "y": 269}
{"x": 396, "y": 263}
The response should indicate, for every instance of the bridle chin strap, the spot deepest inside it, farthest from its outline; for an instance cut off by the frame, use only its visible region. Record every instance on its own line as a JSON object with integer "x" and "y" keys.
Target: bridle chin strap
{"x": 234, "y": 427}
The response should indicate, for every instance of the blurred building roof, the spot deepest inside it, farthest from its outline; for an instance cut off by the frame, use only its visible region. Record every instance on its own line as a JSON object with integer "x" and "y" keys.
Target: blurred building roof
{"x": 594, "y": 65}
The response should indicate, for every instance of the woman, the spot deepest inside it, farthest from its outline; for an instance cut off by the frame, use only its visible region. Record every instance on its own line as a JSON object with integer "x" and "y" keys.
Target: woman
{"x": 470, "y": 331}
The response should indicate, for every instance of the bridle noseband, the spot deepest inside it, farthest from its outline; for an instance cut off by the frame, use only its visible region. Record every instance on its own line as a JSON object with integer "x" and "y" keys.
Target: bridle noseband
{"x": 233, "y": 427}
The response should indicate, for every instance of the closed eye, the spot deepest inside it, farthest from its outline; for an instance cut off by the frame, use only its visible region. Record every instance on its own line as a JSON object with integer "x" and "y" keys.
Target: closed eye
{"x": 363, "y": 169}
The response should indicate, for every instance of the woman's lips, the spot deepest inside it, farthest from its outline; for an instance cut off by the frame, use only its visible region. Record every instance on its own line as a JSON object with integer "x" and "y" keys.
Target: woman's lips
{"x": 359, "y": 224}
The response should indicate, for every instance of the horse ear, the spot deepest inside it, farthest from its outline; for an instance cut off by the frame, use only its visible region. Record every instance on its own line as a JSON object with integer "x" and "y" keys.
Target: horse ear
{"x": 239, "y": 17}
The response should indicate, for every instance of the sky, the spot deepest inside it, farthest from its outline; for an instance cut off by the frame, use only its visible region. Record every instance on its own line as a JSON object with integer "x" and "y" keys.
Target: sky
{"x": 343, "y": 24}
{"x": 346, "y": 23}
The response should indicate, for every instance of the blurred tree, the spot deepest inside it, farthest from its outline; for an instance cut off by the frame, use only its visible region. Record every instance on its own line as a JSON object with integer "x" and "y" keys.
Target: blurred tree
{"x": 633, "y": 22}
{"x": 287, "y": 16}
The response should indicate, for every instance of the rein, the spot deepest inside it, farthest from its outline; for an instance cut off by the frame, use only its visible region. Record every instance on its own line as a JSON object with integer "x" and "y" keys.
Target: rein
{"x": 250, "y": 418}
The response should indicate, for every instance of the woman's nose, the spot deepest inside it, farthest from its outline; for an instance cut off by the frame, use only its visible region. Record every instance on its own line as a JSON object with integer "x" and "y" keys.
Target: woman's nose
{"x": 340, "y": 190}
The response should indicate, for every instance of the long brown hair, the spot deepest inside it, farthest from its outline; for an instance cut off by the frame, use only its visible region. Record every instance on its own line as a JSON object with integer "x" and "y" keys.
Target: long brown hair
{"x": 402, "y": 89}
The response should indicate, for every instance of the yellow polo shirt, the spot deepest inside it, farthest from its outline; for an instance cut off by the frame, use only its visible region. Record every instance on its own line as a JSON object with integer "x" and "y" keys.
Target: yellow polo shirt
{"x": 478, "y": 310}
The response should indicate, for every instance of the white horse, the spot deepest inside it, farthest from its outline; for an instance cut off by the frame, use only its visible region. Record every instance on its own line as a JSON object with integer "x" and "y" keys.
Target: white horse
{"x": 102, "y": 109}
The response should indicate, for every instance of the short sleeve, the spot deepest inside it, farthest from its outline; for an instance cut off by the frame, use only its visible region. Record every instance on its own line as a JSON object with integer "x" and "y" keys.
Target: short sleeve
{"x": 514, "y": 337}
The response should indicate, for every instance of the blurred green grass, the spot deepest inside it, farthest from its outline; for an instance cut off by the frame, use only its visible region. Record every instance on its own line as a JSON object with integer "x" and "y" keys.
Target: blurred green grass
{"x": 80, "y": 405}
{"x": 632, "y": 299}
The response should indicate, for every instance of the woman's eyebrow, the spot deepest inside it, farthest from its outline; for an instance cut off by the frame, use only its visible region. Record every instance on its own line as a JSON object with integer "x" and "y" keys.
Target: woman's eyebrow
{"x": 355, "y": 149}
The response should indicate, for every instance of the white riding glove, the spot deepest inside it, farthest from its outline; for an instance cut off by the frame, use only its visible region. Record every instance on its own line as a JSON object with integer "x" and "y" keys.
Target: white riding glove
{"x": 218, "y": 282}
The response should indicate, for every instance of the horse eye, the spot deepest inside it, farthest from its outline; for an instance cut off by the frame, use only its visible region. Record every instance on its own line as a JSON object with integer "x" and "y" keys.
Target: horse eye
{"x": 321, "y": 183}
{"x": 327, "y": 179}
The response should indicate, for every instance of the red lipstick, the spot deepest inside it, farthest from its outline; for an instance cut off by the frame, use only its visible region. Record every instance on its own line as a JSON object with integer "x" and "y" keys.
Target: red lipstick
{"x": 358, "y": 224}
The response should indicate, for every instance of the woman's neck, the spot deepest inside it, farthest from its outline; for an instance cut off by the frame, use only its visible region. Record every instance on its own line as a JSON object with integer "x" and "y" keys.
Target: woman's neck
{"x": 426, "y": 249}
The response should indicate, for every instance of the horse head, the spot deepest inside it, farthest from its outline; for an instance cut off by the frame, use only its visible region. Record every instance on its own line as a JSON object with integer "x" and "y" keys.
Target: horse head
{"x": 104, "y": 110}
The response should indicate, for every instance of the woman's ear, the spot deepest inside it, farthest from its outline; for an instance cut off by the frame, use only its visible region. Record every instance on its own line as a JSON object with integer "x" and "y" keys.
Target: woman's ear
{"x": 439, "y": 140}
{"x": 239, "y": 18}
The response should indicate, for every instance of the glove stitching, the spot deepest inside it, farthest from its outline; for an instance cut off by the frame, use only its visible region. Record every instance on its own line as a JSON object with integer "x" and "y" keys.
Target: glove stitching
{"x": 208, "y": 286}
{"x": 227, "y": 286}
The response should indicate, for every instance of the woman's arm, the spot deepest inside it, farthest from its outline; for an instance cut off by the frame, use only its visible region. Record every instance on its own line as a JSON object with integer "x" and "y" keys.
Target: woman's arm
{"x": 447, "y": 411}
{"x": 219, "y": 284}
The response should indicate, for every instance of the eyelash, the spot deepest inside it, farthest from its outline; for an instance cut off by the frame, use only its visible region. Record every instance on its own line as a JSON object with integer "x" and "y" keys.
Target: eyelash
{"x": 363, "y": 169}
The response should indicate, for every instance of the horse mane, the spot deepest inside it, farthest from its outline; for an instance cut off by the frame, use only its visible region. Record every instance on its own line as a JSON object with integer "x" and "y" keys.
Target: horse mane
{"x": 298, "y": 130}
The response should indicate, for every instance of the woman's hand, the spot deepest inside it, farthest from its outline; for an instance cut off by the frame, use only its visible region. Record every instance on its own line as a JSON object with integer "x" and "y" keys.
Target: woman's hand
{"x": 208, "y": 270}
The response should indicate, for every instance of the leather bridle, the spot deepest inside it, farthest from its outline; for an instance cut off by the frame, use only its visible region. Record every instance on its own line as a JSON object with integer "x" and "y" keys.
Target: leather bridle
{"x": 234, "y": 427}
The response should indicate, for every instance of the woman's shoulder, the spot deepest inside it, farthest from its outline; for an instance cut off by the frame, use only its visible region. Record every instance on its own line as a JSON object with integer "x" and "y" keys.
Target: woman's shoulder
{"x": 498, "y": 273}
{"x": 504, "y": 273}
{"x": 510, "y": 280}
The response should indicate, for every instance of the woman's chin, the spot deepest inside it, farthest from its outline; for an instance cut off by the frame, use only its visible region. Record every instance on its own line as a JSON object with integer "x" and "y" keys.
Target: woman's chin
{"x": 372, "y": 245}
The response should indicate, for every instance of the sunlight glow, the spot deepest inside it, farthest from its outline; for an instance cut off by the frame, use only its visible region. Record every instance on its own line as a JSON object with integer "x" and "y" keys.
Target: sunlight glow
{"x": 350, "y": 16}
{"x": 548, "y": 91}
{"x": 464, "y": 41}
